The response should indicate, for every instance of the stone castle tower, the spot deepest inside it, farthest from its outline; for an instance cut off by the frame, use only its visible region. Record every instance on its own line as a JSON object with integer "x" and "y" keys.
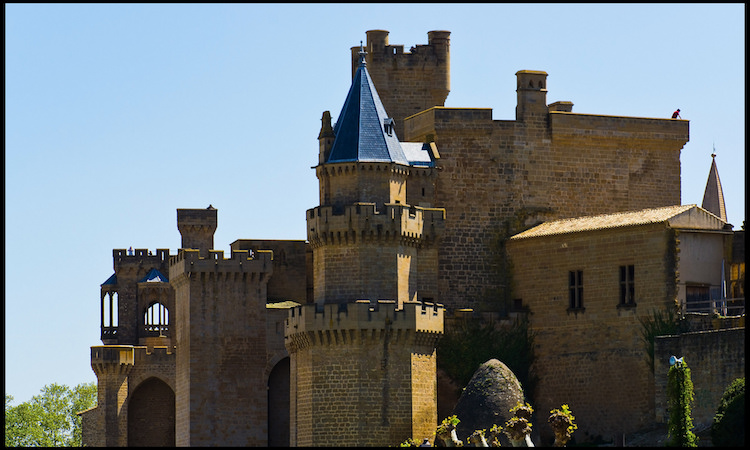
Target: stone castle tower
{"x": 368, "y": 341}
{"x": 331, "y": 341}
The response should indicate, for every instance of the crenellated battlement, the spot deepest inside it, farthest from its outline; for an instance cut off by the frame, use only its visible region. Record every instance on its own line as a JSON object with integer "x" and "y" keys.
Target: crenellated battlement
{"x": 190, "y": 260}
{"x": 436, "y": 54}
{"x": 407, "y": 81}
{"x": 139, "y": 257}
{"x": 355, "y": 167}
{"x": 361, "y": 322}
{"x": 362, "y": 221}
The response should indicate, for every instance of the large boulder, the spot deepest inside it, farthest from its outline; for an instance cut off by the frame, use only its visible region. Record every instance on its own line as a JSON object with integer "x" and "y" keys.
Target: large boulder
{"x": 487, "y": 400}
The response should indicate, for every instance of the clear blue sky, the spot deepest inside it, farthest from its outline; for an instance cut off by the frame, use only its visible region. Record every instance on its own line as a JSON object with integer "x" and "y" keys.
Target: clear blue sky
{"x": 118, "y": 114}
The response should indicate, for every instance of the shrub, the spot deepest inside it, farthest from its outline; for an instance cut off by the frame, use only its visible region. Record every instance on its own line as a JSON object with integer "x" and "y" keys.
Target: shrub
{"x": 728, "y": 428}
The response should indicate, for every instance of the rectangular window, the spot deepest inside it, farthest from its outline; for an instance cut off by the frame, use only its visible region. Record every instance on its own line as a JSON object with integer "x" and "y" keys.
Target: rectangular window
{"x": 736, "y": 280}
{"x": 627, "y": 285}
{"x": 575, "y": 289}
{"x": 697, "y": 298}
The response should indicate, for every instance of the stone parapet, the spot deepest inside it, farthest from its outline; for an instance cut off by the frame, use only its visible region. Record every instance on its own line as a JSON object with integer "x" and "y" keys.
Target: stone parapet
{"x": 108, "y": 358}
{"x": 189, "y": 260}
{"x": 141, "y": 257}
{"x": 618, "y": 127}
{"x": 362, "y": 221}
{"x": 361, "y": 321}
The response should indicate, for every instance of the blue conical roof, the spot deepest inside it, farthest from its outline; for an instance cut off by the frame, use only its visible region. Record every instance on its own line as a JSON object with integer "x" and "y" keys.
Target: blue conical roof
{"x": 364, "y": 132}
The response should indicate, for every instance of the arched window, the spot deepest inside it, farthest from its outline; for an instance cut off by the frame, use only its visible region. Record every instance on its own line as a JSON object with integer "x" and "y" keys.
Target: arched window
{"x": 156, "y": 319}
{"x": 109, "y": 314}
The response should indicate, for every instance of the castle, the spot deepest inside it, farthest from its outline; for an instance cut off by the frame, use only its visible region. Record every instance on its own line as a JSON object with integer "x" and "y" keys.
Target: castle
{"x": 332, "y": 340}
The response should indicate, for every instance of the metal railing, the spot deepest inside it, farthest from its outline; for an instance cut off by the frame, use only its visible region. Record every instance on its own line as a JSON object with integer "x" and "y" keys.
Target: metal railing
{"x": 723, "y": 307}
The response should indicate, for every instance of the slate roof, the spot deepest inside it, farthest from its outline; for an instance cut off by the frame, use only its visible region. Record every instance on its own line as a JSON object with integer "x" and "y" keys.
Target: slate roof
{"x": 362, "y": 131}
{"x": 418, "y": 154}
{"x": 679, "y": 216}
{"x": 111, "y": 280}
{"x": 154, "y": 276}
{"x": 713, "y": 197}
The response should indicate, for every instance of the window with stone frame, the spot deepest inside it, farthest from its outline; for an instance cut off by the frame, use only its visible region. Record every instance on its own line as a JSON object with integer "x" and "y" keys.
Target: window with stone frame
{"x": 156, "y": 319}
{"x": 627, "y": 286}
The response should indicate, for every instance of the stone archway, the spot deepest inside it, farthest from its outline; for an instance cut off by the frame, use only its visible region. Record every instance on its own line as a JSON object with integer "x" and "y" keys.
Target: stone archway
{"x": 151, "y": 415}
{"x": 278, "y": 405}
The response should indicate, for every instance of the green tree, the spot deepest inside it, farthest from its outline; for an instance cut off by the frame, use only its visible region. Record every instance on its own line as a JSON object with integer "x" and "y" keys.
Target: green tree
{"x": 48, "y": 419}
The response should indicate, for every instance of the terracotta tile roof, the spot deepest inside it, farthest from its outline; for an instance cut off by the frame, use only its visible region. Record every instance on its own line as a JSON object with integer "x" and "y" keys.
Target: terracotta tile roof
{"x": 622, "y": 219}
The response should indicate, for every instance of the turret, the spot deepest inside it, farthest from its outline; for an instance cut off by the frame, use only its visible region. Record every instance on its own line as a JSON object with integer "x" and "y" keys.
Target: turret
{"x": 531, "y": 92}
{"x": 197, "y": 227}
{"x": 325, "y": 137}
{"x": 408, "y": 82}
{"x": 374, "y": 362}
{"x": 221, "y": 306}
{"x": 112, "y": 365}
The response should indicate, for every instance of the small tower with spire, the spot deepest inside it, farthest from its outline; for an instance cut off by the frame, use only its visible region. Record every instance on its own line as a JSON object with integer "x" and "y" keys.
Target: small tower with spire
{"x": 713, "y": 197}
{"x": 363, "y": 354}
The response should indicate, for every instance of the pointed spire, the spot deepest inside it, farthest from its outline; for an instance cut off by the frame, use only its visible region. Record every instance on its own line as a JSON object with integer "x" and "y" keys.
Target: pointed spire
{"x": 364, "y": 131}
{"x": 713, "y": 197}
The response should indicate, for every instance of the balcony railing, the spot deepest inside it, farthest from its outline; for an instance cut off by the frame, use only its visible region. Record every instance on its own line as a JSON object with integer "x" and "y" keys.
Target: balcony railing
{"x": 723, "y": 307}
{"x": 156, "y": 330}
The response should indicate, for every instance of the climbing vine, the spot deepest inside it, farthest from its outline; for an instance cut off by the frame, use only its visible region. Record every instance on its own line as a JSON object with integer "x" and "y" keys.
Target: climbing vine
{"x": 660, "y": 323}
{"x": 680, "y": 397}
{"x": 501, "y": 297}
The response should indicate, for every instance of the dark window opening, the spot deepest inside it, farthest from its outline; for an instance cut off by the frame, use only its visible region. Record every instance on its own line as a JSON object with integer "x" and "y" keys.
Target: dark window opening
{"x": 575, "y": 289}
{"x": 697, "y": 298}
{"x": 627, "y": 285}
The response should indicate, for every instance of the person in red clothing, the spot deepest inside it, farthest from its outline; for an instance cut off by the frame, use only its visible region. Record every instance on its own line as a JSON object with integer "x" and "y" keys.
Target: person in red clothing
{"x": 676, "y": 114}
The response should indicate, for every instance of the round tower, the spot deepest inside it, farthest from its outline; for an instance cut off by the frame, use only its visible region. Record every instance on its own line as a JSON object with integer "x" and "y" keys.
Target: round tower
{"x": 364, "y": 373}
{"x": 112, "y": 364}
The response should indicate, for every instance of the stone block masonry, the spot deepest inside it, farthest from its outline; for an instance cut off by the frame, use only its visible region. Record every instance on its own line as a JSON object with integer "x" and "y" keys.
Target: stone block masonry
{"x": 221, "y": 305}
{"x": 716, "y": 358}
{"x": 363, "y": 374}
{"x": 550, "y": 166}
{"x": 592, "y": 357}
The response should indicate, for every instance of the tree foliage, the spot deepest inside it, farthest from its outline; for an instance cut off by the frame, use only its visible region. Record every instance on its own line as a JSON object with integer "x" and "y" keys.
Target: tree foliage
{"x": 680, "y": 396}
{"x": 461, "y": 352}
{"x": 48, "y": 419}
{"x": 728, "y": 428}
{"x": 660, "y": 323}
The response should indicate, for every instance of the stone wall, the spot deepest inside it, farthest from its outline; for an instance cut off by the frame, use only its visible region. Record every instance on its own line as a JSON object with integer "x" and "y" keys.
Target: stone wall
{"x": 292, "y": 268}
{"x": 362, "y": 374}
{"x": 592, "y": 358}
{"x": 548, "y": 166}
{"x": 715, "y": 358}
{"x": 222, "y": 353}
{"x": 407, "y": 82}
